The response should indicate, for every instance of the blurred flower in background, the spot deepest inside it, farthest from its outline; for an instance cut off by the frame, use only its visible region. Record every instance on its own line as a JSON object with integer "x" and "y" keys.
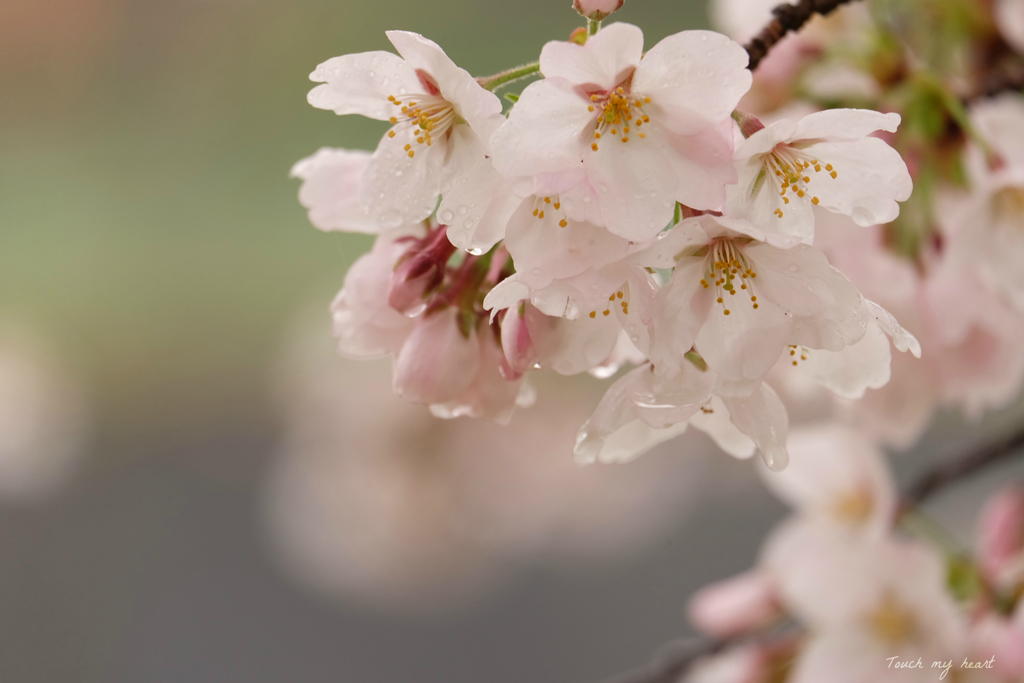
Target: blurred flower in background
{"x": 43, "y": 418}
{"x": 374, "y": 500}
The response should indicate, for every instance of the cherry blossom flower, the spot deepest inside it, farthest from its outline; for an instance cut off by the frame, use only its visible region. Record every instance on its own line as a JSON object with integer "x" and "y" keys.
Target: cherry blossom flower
{"x": 837, "y": 478}
{"x": 330, "y": 190}
{"x": 364, "y": 323}
{"x": 865, "y": 602}
{"x": 826, "y": 159}
{"x": 532, "y": 339}
{"x": 740, "y": 302}
{"x": 970, "y": 358}
{"x": 439, "y": 115}
{"x": 643, "y": 409}
{"x": 621, "y": 135}
{"x": 985, "y": 227}
{"x": 594, "y": 294}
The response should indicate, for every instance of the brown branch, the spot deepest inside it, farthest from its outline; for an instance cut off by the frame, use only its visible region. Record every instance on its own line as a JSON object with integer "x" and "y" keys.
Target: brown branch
{"x": 952, "y": 472}
{"x": 788, "y": 17}
{"x": 1007, "y": 78}
{"x": 676, "y": 659}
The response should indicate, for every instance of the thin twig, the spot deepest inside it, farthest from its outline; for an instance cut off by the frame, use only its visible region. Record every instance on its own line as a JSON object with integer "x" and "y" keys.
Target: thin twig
{"x": 788, "y": 17}
{"x": 677, "y": 658}
{"x": 951, "y": 472}
{"x": 1009, "y": 78}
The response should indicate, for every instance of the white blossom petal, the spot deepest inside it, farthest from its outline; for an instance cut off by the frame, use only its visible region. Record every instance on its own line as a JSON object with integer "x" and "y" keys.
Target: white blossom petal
{"x": 606, "y": 59}
{"x": 695, "y": 79}
{"x": 361, "y": 83}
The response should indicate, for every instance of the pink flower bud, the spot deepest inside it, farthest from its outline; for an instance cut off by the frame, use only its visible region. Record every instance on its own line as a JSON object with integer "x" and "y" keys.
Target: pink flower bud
{"x": 411, "y": 281}
{"x": 516, "y": 343}
{"x": 1000, "y": 534}
{"x": 737, "y": 605}
{"x": 596, "y": 9}
{"x": 438, "y": 361}
{"x": 418, "y": 272}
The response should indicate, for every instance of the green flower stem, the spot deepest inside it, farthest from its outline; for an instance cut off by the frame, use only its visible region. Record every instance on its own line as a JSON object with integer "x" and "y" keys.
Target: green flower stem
{"x": 499, "y": 79}
{"x": 593, "y": 26}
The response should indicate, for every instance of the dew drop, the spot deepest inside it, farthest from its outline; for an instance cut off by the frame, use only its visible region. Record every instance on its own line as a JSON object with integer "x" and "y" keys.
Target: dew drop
{"x": 476, "y": 251}
{"x": 462, "y": 210}
{"x": 446, "y": 216}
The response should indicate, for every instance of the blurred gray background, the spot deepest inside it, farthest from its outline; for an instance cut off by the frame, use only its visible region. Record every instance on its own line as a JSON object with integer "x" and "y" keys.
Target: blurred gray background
{"x": 149, "y": 232}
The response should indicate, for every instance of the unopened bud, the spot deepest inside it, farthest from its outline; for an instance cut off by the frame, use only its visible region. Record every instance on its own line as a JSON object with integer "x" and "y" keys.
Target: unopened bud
{"x": 596, "y": 10}
{"x": 516, "y": 343}
{"x": 437, "y": 361}
{"x": 749, "y": 124}
{"x": 579, "y": 36}
{"x": 1000, "y": 544}
{"x": 419, "y": 272}
{"x": 411, "y": 281}
{"x": 734, "y": 606}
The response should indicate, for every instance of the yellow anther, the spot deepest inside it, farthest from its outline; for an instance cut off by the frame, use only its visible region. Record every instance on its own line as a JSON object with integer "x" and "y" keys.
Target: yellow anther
{"x": 834, "y": 174}
{"x": 607, "y": 312}
{"x": 562, "y": 223}
{"x": 391, "y": 133}
{"x": 411, "y": 154}
{"x": 815, "y": 200}
{"x": 541, "y": 215}
{"x": 593, "y": 314}
{"x": 726, "y": 311}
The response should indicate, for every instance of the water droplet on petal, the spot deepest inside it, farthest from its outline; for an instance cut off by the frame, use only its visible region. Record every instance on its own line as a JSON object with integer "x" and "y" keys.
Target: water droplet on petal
{"x": 462, "y": 210}
{"x": 446, "y": 216}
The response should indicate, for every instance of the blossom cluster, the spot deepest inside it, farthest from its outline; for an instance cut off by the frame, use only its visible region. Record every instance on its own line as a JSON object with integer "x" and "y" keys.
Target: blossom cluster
{"x": 624, "y": 211}
{"x": 865, "y": 603}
